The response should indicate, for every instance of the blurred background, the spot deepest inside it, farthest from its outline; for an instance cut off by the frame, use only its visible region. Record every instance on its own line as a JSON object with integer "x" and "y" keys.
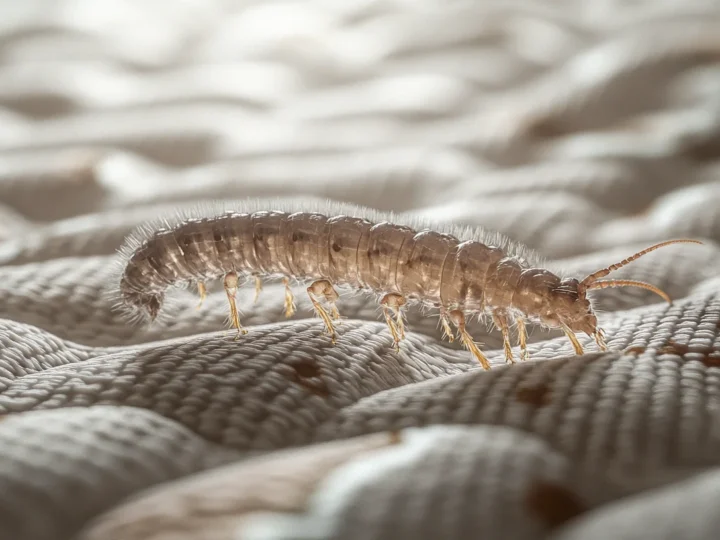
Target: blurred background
{"x": 568, "y": 126}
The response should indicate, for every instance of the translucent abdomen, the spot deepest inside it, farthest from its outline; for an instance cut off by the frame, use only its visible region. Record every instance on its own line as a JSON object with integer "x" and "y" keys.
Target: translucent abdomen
{"x": 430, "y": 267}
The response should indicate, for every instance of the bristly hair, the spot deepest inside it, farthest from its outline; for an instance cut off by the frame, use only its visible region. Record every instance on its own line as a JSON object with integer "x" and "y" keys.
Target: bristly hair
{"x": 212, "y": 209}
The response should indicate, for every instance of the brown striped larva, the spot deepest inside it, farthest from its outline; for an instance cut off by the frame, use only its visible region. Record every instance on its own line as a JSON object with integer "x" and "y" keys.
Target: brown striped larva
{"x": 458, "y": 271}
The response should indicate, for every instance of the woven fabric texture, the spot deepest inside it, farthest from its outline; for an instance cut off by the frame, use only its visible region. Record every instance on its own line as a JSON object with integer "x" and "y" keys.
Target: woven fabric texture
{"x": 585, "y": 130}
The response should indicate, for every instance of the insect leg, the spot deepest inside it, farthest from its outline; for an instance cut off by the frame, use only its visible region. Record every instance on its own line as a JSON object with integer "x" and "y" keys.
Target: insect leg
{"x": 332, "y": 296}
{"x": 522, "y": 338}
{"x": 231, "y": 286}
{"x": 574, "y": 340}
{"x": 202, "y": 291}
{"x": 445, "y": 321}
{"x": 599, "y": 336}
{"x": 500, "y": 318}
{"x": 392, "y": 304}
{"x": 391, "y": 326}
{"x": 258, "y": 288}
{"x": 289, "y": 299}
{"x": 399, "y": 319}
{"x": 320, "y": 288}
{"x": 458, "y": 319}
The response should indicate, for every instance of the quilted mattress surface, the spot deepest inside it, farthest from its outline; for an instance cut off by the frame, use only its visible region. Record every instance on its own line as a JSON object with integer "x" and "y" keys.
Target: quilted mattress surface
{"x": 586, "y": 131}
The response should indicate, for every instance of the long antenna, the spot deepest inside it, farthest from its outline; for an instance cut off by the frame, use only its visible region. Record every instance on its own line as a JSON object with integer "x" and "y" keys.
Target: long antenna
{"x": 628, "y": 283}
{"x": 592, "y": 278}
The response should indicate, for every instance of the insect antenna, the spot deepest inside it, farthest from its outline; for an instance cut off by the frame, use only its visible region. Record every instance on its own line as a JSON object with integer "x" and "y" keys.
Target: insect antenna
{"x": 610, "y": 283}
{"x": 591, "y": 281}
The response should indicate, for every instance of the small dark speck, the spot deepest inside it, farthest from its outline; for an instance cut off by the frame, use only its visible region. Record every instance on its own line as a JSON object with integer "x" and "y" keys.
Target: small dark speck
{"x": 306, "y": 369}
{"x": 307, "y": 375}
{"x": 336, "y": 247}
{"x": 702, "y": 150}
{"x": 545, "y": 128}
{"x": 553, "y": 504}
{"x": 538, "y": 395}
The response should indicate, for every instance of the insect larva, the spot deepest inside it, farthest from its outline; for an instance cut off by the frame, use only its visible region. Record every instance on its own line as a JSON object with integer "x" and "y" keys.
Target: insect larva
{"x": 459, "y": 272}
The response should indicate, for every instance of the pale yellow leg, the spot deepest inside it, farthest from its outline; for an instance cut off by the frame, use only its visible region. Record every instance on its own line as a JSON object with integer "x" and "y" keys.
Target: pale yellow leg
{"x": 258, "y": 288}
{"x": 392, "y": 304}
{"x": 500, "y": 319}
{"x": 522, "y": 338}
{"x": 325, "y": 289}
{"x": 391, "y": 325}
{"x": 289, "y": 299}
{"x": 445, "y": 322}
{"x": 231, "y": 286}
{"x": 400, "y": 323}
{"x": 458, "y": 319}
{"x": 574, "y": 340}
{"x": 599, "y": 336}
{"x": 332, "y": 296}
{"x": 202, "y": 291}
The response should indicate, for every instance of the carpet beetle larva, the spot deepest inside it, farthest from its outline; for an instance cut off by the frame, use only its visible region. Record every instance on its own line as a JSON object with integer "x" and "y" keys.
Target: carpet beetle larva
{"x": 458, "y": 271}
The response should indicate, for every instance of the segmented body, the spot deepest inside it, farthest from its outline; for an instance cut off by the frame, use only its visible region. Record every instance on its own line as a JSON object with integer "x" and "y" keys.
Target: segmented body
{"x": 456, "y": 271}
{"x": 434, "y": 268}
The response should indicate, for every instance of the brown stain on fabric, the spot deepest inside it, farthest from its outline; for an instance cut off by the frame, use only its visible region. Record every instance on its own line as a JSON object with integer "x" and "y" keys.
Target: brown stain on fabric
{"x": 543, "y": 127}
{"x": 553, "y": 504}
{"x": 635, "y": 351}
{"x": 306, "y": 368}
{"x": 308, "y": 375}
{"x": 672, "y": 347}
{"x": 538, "y": 395}
{"x": 712, "y": 359}
{"x": 702, "y": 149}
{"x": 711, "y": 355}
